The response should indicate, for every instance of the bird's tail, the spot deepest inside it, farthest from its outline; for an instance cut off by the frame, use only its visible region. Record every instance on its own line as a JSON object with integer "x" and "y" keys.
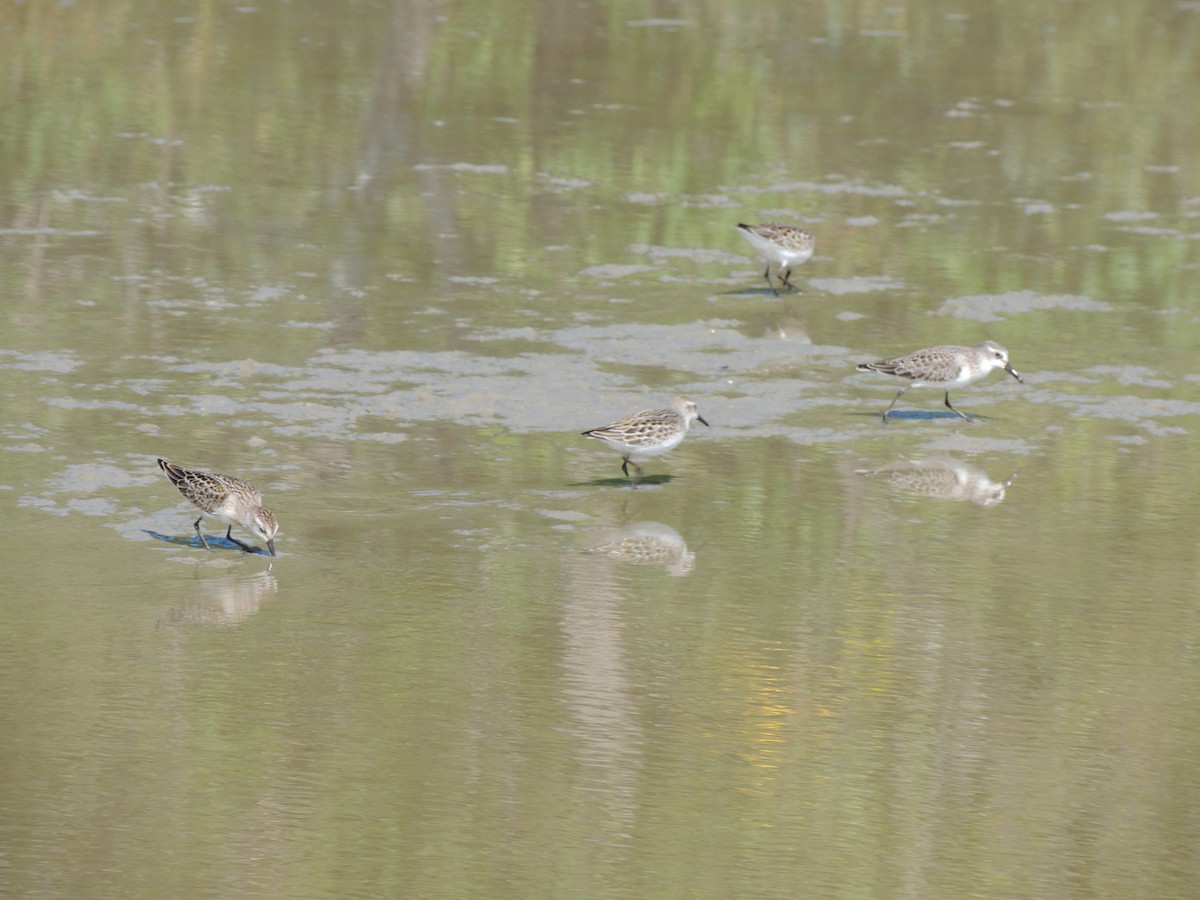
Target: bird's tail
{"x": 173, "y": 471}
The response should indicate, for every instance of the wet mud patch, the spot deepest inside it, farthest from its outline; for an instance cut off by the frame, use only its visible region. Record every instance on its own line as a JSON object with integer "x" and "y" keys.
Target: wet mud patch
{"x": 997, "y": 307}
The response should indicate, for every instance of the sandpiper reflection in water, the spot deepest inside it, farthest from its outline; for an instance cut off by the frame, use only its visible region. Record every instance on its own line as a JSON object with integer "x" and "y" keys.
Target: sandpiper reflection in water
{"x": 944, "y": 478}
{"x": 227, "y": 599}
{"x": 646, "y": 543}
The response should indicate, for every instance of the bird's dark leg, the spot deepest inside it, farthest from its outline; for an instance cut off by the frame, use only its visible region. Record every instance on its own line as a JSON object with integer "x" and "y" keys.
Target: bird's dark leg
{"x": 963, "y": 416}
{"x": 203, "y": 540}
{"x": 892, "y": 405}
{"x": 246, "y": 548}
{"x": 625, "y": 469}
{"x": 767, "y": 275}
{"x": 787, "y": 279}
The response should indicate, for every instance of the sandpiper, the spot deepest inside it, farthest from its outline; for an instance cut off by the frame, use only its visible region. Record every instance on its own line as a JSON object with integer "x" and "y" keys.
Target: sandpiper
{"x": 648, "y": 433}
{"x": 785, "y": 245}
{"x": 226, "y": 499}
{"x": 947, "y": 366}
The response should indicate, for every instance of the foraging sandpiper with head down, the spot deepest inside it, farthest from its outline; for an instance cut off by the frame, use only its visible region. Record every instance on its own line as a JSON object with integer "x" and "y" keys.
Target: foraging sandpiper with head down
{"x": 947, "y": 366}
{"x": 227, "y": 499}
{"x": 648, "y": 433}
{"x": 785, "y": 245}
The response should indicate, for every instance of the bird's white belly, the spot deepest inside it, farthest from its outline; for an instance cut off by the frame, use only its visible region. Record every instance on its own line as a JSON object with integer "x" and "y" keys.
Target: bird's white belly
{"x": 644, "y": 451}
{"x": 772, "y": 252}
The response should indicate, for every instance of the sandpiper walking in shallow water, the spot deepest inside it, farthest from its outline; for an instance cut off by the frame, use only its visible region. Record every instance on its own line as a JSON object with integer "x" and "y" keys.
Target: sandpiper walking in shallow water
{"x": 648, "y": 433}
{"x": 226, "y": 499}
{"x": 947, "y": 366}
{"x": 785, "y": 245}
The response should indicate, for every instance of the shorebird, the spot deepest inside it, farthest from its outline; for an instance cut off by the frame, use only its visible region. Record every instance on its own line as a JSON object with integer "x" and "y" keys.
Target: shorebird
{"x": 226, "y": 499}
{"x": 648, "y": 433}
{"x": 947, "y": 366}
{"x": 785, "y": 245}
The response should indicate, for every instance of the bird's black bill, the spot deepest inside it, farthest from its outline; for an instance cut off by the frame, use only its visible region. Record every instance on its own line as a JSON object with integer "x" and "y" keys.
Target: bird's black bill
{"x": 271, "y": 547}
{"x": 1013, "y": 372}
{"x": 701, "y": 419}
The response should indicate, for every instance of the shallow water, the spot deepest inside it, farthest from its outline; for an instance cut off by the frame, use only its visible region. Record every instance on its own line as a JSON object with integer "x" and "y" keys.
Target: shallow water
{"x": 386, "y": 261}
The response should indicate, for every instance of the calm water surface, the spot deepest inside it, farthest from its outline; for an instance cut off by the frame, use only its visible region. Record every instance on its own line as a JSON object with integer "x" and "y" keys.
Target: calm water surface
{"x": 386, "y": 260}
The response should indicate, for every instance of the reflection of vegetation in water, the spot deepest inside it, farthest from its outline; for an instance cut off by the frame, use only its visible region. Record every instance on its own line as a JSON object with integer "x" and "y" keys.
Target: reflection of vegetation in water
{"x": 285, "y": 113}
